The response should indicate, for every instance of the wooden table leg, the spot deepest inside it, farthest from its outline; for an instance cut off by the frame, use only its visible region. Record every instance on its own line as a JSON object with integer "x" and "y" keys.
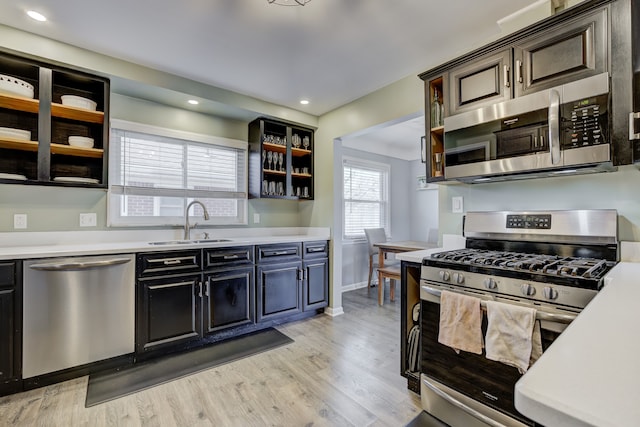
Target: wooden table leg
{"x": 380, "y": 279}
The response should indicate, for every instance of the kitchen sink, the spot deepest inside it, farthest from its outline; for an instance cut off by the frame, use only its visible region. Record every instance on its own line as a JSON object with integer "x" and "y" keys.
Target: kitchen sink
{"x": 188, "y": 242}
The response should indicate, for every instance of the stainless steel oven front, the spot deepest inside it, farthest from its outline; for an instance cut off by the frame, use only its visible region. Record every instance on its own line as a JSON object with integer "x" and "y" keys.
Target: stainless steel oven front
{"x": 467, "y": 389}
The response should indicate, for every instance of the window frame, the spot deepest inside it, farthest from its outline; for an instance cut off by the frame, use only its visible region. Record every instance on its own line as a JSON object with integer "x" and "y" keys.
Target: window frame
{"x": 385, "y": 209}
{"x": 115, "y": 217}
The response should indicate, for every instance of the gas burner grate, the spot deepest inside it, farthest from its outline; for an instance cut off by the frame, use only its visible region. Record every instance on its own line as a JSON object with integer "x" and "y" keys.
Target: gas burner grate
{"x": 588, "y": 268}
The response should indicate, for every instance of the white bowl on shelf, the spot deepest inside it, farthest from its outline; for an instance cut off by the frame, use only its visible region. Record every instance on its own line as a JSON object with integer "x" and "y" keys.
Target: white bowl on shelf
{"x": 15, "y": 133}
{"x": 14, "y": 86}
{"x": 79, "y": 102}
{"x": 81, "y": 141}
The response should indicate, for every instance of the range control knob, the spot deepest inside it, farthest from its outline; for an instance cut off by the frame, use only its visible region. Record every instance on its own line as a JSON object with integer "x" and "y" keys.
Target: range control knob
{"x": 489, "y": 283}
{"x": 527, "y": 290}
{"x": 458, "y": 278}
{"x": 444, "y": 275}
{"x": 550, "y": 293}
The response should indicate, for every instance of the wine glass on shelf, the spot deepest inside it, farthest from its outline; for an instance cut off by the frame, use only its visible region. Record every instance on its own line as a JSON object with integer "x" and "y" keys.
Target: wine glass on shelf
{"x": 280, "y": 160}
{"x": 269, "y": 158}
{"x": 305, "y": 142}
{"x": 264, "y": 157}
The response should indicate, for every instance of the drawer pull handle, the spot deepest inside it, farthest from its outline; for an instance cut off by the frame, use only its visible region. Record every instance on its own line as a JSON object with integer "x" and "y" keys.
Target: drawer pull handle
{"x": 231, "y": 257}
{"x": 171, "y": 261}
{"x": 316, "y": 249}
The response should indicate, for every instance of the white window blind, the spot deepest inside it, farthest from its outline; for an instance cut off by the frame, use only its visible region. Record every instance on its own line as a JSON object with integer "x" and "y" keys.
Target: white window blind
{"x": 154, "y": 173}
{"x": 365, "y": 197}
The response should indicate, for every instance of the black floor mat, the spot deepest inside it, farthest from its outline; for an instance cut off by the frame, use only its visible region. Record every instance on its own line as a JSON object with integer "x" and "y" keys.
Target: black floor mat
{"x": 111, "y": 385}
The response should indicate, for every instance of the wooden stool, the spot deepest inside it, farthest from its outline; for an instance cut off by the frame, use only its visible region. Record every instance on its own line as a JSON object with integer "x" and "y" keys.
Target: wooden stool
{"x": 392, "y": 273}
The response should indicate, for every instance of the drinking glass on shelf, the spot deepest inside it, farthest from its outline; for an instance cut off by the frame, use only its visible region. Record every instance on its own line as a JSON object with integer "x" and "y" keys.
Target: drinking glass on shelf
{"x": 280, "y": 160}
{"x": 269, "y": 158}
{"x": 264, "y": 157}
{"x": 305, "y": 142}
{"x": 280, "y": 189}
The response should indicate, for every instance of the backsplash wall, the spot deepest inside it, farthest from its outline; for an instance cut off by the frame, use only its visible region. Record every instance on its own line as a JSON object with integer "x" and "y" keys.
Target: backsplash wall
{"x": 618, "y": 190}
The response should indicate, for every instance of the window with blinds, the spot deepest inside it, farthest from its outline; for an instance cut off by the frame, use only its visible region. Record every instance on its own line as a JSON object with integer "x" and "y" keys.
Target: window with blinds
{"x": 154, "y": 173}
{"x": 365, "y": 197}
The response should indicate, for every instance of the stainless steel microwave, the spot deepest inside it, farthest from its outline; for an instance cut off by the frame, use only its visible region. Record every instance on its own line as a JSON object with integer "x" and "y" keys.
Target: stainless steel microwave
{"x": 562, "y": 130}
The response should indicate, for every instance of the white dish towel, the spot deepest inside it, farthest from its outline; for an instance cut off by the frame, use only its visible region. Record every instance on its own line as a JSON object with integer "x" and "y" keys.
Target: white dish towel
{"x": 460, "y": 322}
{"x": 510, "y": 335}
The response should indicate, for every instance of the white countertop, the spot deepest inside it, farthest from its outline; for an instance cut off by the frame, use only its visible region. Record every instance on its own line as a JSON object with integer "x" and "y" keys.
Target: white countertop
{"x": 590, "y": 375}
{"x": 56, "y": 244}
{"x": 449, "y": 242}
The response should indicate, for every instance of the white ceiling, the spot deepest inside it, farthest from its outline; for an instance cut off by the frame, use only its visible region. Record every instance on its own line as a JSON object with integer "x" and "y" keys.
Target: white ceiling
{"x": 329, "y": 51}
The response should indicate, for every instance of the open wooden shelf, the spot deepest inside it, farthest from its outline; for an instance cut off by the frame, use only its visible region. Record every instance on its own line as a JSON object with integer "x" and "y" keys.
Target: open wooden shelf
{"x": 74, "y": 113}
{"x": 274, "y": 147}
{"x": 299, "y": 152}
{"x": 19, "y": 144}
{"x": 19, "y": 103}
{"x": 301, "y": 175}
{"x": 274, "y": 172}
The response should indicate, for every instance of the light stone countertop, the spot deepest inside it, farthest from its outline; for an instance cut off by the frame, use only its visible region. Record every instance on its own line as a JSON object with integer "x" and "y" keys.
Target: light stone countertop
{"x": 449, "y": 242}
{"x": 58, "y": 244}
{"x": 590, "y": 375}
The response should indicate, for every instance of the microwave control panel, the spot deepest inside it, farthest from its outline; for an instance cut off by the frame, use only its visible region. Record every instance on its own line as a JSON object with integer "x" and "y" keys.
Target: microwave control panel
{"x": 585, "y": 122}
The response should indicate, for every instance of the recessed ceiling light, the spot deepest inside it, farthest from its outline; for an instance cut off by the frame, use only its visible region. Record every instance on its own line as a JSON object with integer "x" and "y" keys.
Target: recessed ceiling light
{"x": 304, "y": 101}
{"x": 37, "y": 16}
{"x": 193, "y": 102}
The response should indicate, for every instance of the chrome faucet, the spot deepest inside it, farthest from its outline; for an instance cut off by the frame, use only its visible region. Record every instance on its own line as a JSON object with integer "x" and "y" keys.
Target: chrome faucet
{"x": 187, "y": 227}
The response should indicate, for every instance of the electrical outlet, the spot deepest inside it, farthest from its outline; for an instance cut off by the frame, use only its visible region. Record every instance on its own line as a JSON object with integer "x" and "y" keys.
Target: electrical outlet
{"x": 457, "y": 205}
{"x": 256, "y": 218}
{"x": 88, "y": 219}
{"x": 20, "y": 221}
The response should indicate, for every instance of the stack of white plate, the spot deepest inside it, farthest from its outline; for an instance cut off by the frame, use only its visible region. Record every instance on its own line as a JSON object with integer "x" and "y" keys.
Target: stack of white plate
{"x": 13, "y": 176}
{"x": 79, "y": 102}
{"x": 14, "y": 86}
{"x": 15, "y": 133}
{"x": 76, "y": 179}
{"x": 81, "y": 141}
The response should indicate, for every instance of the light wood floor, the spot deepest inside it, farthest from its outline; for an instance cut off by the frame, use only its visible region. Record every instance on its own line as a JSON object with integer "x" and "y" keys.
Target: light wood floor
{"x": 341, "y": 371}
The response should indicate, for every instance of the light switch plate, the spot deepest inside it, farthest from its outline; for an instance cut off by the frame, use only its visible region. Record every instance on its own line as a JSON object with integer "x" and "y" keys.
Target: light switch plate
{"x": 88, "y": 219}
{"x": 457, "y": 205}
{"x": 256, "y": 218}
{"x": 20, "y": 221}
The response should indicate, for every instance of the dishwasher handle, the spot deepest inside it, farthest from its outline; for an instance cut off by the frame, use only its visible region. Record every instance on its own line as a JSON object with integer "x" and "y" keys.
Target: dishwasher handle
{"x": 80, "y": 265}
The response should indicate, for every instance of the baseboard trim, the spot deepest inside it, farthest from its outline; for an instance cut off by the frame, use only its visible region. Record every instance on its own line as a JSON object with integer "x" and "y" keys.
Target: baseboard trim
{"x": 333, "y": 312}
{"x": 354, "y": 286}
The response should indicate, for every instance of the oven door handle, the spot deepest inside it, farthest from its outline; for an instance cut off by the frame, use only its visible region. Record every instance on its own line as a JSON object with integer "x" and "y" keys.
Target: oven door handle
{"x": 540, "y": 315}
{"x": 455, "y": 402}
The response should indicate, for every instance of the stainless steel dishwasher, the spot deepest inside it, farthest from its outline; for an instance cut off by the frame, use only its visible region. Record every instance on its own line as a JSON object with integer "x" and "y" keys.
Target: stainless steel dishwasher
{"x": 76, "y": 311}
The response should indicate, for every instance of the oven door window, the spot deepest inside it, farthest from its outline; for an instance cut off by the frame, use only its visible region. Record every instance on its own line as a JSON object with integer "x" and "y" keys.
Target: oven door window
{"x": 489, "y": 382}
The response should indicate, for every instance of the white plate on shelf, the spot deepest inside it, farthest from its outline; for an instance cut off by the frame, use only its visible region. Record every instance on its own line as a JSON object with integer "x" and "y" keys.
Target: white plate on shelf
{"x": 81, "y": 141}
{"x": 15, "y": 133}
{"x": 14, "y": 86}
{"x": 76, "y": 179}
{"x": 13, "y": 176}
{"x": 79, "y": 102}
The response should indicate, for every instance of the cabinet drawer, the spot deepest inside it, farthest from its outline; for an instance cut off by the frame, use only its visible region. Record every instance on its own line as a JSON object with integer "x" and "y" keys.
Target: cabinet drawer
{"x": 318, "y": 249}
{"x": 160, "y": 263}
{"x": 7, "y": 274}
{"x": 279, "y": 252}
{"x": 228, "y": 257}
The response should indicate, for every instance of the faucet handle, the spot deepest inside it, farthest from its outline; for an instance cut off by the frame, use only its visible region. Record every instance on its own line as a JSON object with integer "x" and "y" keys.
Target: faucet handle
{"x": 206, "y": 235}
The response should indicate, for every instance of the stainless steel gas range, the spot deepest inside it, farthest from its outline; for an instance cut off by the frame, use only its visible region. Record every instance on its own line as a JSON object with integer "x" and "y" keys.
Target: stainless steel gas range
{"x": 553, "y": 261}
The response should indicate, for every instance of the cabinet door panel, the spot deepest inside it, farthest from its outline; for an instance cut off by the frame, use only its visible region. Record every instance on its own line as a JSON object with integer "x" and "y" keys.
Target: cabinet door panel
{"x": 484, "y": 80}
{"x": 575, "y": 50}
{"x": 169, "y": 313}
{"x": 279, "y": 290}
{"x": 316, "y": 285}
{"x": 6, "y": 334}
{"x": 229, "y": 299}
